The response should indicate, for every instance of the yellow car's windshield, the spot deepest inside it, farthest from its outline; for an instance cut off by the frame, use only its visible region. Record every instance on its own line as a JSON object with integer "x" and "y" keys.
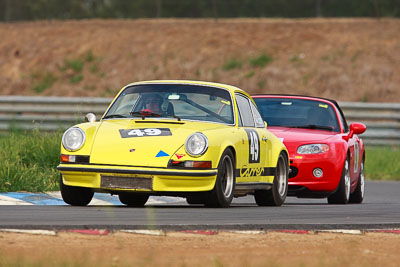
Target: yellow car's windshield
{"x": 181, "y": 101}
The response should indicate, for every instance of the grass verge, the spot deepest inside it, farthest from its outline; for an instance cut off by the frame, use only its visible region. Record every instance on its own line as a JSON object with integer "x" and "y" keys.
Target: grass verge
{"x": 382, "y": 163}
{"x": 28, "y": 161}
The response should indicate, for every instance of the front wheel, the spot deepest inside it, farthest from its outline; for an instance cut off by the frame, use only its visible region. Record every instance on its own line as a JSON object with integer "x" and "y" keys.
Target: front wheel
{"x": 133, "y": 199}
{"x": 74, "y": 195}
{"x": 194, "y": 199}
{"x": 277, "y": 195}
{"x": 358, "y": 195}
{"x": 342, "y": 194}
{"x": 222, "y": 194}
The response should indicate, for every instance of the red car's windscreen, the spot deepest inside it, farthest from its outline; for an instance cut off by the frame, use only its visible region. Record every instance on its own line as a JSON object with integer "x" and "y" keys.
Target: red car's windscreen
{"x": 298, "y": 113}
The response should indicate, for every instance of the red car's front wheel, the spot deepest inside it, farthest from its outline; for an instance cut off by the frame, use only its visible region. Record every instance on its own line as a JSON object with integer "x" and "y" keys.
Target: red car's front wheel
{"x": 358, "y": 195}
{"x": 342, "y": 194}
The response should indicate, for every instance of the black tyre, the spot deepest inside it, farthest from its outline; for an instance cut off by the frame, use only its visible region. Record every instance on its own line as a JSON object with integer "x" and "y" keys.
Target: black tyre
{"x": 342, "y": 194}
{"x": 195, "y": 199}
{"x": 277, "y": 194}
{"x": 74, "y": 195}
{"x": 358, "y": 195}
{"x": 222, "y": 194}
{"x": 133, "y": 199}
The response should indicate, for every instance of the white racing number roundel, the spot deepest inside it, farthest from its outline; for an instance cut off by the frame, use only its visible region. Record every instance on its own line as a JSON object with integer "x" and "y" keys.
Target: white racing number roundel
{"x": 127, "y": 133}
{"x": 254, "y": 146}
{"x": 356, "y": 156}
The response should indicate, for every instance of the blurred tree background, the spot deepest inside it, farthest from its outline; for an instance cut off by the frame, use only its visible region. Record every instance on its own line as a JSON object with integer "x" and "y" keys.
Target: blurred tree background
{"x": 26, "y": 10}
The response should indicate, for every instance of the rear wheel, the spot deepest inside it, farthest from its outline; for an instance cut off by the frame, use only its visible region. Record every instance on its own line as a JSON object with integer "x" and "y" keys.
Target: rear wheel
{"x": 342, "y": 194}
{"x": 358, "y": 195}
{"x": 133, "y": 199}
{"x": 222, "y": 194}
{"x": 277, "y": 195}
{"x": 74, "y": 195}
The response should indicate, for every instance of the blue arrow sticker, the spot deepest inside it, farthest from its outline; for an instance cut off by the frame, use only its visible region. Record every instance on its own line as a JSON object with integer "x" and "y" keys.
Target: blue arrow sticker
{"x": 161, "y": 154}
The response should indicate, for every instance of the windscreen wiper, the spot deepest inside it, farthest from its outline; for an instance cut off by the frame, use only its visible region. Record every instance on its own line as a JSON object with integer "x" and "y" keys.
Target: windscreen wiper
{"x": 144, "y": 114}
{"x": 313, "y": 126}
{"x": 173, "y": 116}
{"x": 114, "y": 116}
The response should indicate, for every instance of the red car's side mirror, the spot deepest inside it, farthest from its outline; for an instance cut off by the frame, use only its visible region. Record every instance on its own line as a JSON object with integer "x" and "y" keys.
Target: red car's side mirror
{"x": 355, "y": 128}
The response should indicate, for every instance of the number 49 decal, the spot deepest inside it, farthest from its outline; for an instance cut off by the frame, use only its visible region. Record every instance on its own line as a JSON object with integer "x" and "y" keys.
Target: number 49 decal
{"x": 254, "y": 146}
{"x": 145, "y": 132}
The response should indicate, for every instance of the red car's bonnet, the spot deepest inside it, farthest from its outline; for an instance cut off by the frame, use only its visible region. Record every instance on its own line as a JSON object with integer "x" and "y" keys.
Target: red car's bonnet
{"x": 291, "y": 136}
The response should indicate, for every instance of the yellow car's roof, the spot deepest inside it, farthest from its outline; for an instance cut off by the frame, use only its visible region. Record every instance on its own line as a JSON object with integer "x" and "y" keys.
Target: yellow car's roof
{"x": 230, "y": 88}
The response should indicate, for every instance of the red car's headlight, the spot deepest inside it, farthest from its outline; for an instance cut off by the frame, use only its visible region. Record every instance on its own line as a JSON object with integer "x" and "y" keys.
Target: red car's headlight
{"x": 313, "y": 149}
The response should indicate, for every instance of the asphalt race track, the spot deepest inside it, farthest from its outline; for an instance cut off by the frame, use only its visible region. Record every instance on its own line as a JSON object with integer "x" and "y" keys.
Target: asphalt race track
{"x": 380, "y": 210}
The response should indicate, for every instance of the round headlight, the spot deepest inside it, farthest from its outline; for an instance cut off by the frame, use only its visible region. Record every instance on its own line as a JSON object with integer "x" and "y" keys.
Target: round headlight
{"x": 73, "y": 139}
{"x": 196, "y": 144}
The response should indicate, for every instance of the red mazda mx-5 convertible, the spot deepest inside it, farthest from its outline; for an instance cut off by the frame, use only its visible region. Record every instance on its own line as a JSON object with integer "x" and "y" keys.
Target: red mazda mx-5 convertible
{"x": 326, "y": 155}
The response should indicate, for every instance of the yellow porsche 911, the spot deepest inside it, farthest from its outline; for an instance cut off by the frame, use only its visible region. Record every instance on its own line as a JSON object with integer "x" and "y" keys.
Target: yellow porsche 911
{"x": 203, "y": 141}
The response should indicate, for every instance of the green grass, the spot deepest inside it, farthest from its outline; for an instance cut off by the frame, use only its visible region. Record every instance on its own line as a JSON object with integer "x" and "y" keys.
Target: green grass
{"x": 382, "y": 163}
{"x": 232, "y": 63}
{"x": 256, "y": 62}
{"x": 306, "y": 78}
{"x": 355, "y": 56}
{"x": 28, "y": 161}
{"x": 249, "y": 74}
{"x": 74, "y": 64}
{"x": 77, "y": 64}
{"x": 44, "y": 81}
{"x": 89, "y": 56}
{"x": 76, "y": 78}
{"x": 260, "y": 61}
{"x": 94, "y": 68}
{"x": 261, "y": 84}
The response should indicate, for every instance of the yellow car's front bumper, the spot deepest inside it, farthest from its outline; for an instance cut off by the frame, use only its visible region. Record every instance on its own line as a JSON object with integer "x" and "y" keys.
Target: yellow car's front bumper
{"x": 116, "y": 178}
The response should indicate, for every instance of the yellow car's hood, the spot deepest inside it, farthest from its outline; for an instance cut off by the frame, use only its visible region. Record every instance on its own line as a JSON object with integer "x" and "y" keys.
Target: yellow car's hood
{"x": 147, "y": 142}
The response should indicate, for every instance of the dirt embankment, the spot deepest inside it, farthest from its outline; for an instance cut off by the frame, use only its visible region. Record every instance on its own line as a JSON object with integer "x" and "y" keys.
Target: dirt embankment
{"x": 182, "y": 249}
{"x": 344, "y": 59}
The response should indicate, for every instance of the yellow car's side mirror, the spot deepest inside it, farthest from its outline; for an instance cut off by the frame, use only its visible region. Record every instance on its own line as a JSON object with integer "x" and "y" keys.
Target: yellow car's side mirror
{"x": 90, "y": 117}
